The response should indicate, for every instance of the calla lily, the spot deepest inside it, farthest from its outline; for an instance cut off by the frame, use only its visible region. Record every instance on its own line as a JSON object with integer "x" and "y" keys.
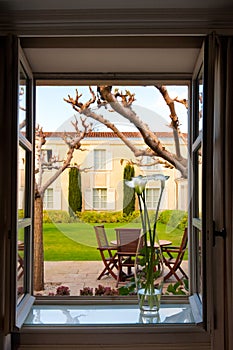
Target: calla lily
{"x": 151, "y": 262}
{"x": 157, "y": 177}
{"x": 138, "y": 183}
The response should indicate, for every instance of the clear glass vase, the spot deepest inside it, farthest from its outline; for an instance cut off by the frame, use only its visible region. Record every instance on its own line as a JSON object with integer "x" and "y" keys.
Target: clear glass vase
{"x": 149, "y": 274}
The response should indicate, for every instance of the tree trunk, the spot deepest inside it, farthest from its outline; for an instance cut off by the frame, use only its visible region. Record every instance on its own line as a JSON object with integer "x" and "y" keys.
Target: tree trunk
{"x": 38, "y": 245}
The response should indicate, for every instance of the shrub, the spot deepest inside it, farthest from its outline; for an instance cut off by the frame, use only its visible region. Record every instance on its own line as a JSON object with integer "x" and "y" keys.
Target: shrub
{"x": 174, "y": 218}
{"x": 106, "y": 217}
{"x": 100, "y": 290}
{"x": 57, "y": 216}
{"x": 20, "y": 213}
{"x": 63, "y": 290}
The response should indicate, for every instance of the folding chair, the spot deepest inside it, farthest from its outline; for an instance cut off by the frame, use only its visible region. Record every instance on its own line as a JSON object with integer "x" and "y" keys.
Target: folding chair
{"x": 127, "y": 243}
{"x": 109, "y": 259}
{"x": 174, "y": 262}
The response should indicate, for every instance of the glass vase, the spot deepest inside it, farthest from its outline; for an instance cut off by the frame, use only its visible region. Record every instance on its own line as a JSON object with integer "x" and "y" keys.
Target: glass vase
{"x": 149, "y": 274}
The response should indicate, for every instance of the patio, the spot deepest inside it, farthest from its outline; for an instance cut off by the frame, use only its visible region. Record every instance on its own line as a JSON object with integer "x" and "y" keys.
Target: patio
{"x": 79, "y": 274}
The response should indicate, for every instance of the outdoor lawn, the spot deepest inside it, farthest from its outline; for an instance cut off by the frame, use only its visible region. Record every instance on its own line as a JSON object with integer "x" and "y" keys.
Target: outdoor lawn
{"x": 77, "y": 241}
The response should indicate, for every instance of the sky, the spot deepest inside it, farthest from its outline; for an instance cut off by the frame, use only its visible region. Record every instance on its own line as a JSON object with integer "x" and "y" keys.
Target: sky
{"x": 52, "y": 111}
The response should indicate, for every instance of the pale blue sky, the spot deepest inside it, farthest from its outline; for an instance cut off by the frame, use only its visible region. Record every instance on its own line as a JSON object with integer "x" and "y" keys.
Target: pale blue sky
{"x": 52, "y": 111}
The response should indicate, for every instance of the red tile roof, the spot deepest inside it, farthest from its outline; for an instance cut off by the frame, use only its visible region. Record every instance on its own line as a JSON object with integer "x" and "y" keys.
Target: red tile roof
{"x": 109, "y": 134}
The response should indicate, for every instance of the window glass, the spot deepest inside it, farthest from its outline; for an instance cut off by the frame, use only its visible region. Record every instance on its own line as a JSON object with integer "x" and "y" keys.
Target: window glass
{"x": 48, "y": 198}
{"x": 24, "y": 190}
{"x": 21, "y": 181}
{"x": 197, "y": 184}
{"x": 20, "y": 264}
{"x": 100, "y": 159}
{"x": 99, "y": 198}
{"x": 22, "y": 100}
{"x": 151, "y": 164}
{"x": 47, "y": 155}
{"x": 200, "y": 265}
{"x": 200, "y": 103}
{"x": 200, "y": 182}
{"x": 152, "y": 197}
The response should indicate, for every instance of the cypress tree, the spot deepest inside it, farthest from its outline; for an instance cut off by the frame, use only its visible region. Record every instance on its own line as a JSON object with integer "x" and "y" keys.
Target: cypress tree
{"x": 74, "y": 191}
{"x": 129, "y": 193}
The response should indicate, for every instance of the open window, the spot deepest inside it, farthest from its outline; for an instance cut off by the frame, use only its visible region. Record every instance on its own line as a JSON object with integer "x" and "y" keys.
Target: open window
{"x": 176, "y": 75}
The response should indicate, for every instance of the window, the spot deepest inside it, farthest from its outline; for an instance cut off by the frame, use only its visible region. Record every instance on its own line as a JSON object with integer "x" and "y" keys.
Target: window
{"x": 100, "y": 159}
{"x": 197, "y": 163}
{"x": 24, "y": 194}
{"x": 48, "y": 198}
{"x": 99, "y": 198}
{"x": 152, "y": 197}
{"x": 151, "y": 164}
{"x": 47, "y": 155}
{"x": 100, "y": 194}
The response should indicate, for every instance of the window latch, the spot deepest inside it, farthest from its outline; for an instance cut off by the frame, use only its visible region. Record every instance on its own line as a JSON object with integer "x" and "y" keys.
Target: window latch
{"x": 222, "y": 233}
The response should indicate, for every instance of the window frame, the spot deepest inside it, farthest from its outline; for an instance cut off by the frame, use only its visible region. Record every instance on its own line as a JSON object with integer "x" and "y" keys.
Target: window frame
{"x": 181, "y": 330}
{"x": 100, "y": 163}
{"x": 18, "y": 307}
{"x": 47, "y": 196}
{"x": 99, "y": 189}
{"x": 153, "y": 189}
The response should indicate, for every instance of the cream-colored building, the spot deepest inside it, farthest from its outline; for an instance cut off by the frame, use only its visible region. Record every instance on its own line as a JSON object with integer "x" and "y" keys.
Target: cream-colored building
{"x": 102, "y": 173}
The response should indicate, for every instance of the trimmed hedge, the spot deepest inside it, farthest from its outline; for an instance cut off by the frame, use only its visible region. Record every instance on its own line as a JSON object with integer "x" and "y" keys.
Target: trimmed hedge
{"x": 57, "y": 216}
{"x": 61, "y": 216}
{"x": 105, "y": 217}
{"x": 174, "y": 218}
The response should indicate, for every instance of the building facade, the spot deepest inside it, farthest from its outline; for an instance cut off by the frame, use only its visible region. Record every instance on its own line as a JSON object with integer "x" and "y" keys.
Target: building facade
{"x": 102, "y": 163}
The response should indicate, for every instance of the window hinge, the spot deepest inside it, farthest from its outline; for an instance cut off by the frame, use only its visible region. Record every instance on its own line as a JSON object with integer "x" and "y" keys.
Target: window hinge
{"x": 222, "y": 233}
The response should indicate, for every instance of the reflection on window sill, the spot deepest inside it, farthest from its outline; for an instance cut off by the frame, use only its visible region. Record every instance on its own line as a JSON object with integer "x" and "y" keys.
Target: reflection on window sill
{"x": 75, "y": 315}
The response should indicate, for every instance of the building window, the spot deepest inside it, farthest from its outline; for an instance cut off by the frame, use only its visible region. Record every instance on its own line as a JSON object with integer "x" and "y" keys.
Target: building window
{"x": 47, "y": 155}
{"x": 48, "y": 199}
{"x": 100, "y": 198}
{"x": 152, "y": 197}
{"x": 149, "y": 163}
{"x": 100, "y": 159}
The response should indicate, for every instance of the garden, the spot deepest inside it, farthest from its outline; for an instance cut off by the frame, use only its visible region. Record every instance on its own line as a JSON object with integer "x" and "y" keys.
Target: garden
{"x": 71, "y": 239}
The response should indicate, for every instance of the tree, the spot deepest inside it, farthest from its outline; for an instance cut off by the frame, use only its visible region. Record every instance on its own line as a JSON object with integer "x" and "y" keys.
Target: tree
{"x": 122, "y": 103}
{"x": 73, "y": 143}
{"x": 75, "y": 193}
{"x": 129, "y": 194}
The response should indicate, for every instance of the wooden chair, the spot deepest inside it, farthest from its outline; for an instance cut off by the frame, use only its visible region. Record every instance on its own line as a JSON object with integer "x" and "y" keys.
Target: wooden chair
{"x": 20, "y": 268}
{"x": 106, "y": 251}
{"x": 127, "y": 243}
{"x": 174, "y": 262}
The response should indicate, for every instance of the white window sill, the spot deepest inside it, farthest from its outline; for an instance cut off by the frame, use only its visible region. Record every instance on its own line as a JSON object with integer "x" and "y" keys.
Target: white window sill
{"x": 77, "y": 315}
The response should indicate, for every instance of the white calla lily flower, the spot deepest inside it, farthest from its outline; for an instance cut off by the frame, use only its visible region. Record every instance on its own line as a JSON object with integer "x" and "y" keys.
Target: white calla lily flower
{"x": 159, "y": 177}
{"x": 139, "y": 182}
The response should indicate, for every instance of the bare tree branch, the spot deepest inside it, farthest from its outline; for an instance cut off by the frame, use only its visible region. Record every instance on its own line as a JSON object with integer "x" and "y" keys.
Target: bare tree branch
{"x": 123, "y": 107}
{"x": 73, "y": 143}
{"x": 149, "y": 137}
{"x": 173, "y": 116}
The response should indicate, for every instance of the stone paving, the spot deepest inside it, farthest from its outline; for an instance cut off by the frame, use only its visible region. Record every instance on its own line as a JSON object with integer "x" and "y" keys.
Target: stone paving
{"x": 79, "y": 274}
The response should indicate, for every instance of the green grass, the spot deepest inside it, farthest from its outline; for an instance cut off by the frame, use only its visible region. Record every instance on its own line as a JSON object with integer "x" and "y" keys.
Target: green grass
{"x": 77, "y": 241}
